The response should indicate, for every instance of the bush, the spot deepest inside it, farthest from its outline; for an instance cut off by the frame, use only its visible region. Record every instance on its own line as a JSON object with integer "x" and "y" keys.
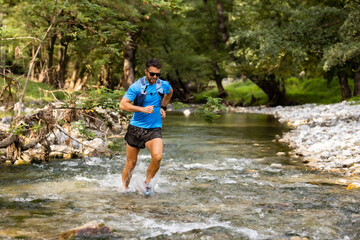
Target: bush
{"x": 301, "y": 91}
{"x": 313, "y": 90}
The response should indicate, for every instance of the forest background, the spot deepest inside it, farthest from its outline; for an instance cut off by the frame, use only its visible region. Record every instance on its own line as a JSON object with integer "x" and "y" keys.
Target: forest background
{"x": 250, "y": 51}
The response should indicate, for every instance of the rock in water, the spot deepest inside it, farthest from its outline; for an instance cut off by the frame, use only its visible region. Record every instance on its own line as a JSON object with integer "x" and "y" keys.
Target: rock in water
{"x": 93, "y": 229}
{"x": 187, "y": 112}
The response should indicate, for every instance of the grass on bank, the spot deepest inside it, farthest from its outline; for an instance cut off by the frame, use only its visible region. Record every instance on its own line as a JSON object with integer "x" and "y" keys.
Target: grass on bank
{"x": 35, "y": 91}
{"x": 301, "y": 91}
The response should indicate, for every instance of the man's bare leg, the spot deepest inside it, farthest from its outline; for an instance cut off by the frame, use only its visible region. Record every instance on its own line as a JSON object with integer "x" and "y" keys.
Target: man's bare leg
{"x": 155, "y": 147}
{"x": 131, "y": 159}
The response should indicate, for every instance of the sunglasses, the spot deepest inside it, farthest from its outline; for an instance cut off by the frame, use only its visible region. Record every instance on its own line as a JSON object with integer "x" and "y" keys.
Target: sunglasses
{"x": 153, "y": 74}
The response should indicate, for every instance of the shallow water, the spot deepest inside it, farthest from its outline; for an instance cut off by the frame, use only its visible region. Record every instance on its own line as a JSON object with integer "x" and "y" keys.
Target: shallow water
{"x": 220, "y": 181}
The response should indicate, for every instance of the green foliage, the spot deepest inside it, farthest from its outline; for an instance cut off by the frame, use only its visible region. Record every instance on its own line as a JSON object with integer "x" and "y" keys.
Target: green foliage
{"x": 178, "y": 105}
{"x": 300, "y": 90}
{"x": 85, "y": 133}
{"x": 186, "y": 45}
{"x": 97, "y": 97}
{"x": 314, "y": 90}
{"x": 238, "y": 91}
{"x": 282, "y": 37}
{"x": 346, "y": 50}
{"x": 23, "y": 128}
{"x": 209, "y": 111}
{"x": 355, "y": 99}
{"x": 275, "y": 37}
{"x": 116, "y": 144}
{"x": 36, "y": 126}
{"x": 19, "y": 130}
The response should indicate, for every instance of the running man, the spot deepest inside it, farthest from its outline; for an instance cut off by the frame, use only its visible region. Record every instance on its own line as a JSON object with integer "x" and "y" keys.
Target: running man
{"x": 148, "y": 98}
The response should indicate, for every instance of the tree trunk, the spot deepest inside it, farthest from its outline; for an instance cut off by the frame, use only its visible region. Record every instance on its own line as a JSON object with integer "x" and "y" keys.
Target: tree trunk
{"x": 81, "y": 82}
{"x": 221, "y": 20}
{"x": 50, "y": 70}
{"x": 51, "y": 48}
{"x": 2, "y": 50}
{"x": 176, "y": 86}
{"x": 182, "y": 84}
{"x": 186, "y": 94}
{"x": 216, "y": 70}
{"x": 33, "y": 68}
{"x": 129, "y": 63}
{"x": 2, "y": 60}
{"x": 357, "y": 83}
{"x": 215, "y": 43}
{"x": 345, "y": 89}
{"x": 272, "y": 88}
{"x": 106, "y": 77}
{"x": 109, "y": 77}
{"x": 63, "y": 62}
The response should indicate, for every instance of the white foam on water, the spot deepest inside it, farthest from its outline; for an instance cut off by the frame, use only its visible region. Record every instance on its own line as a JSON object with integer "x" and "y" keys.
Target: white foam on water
{"x": 51, "y": 196}
{"x": 81, "y": 178}
{"x": 111, "y": 181}
{"x": 94, "y": 161}
{"x": 227, "y": 181}
{"x": 250, "y": 233}
{"x": 233, "y": 160}
{"x": 226, "y": 164}
{"x": 70, "y": 163}
{"x": 138, "y": 183}
{"x": 207, "y": 166}
{"x": 157, "y": 228}
{"x": 114, "y": 181}
{"x": 211, "y": 178}
{"x": 238, "y": 168}
{"x": 272, "y": 169}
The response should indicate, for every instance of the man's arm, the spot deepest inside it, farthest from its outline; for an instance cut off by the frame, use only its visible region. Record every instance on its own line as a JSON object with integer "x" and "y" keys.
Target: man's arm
{"x": 165, "y": 102}
{"x": 126, "y": 105}
{"x": 167, "y": 98}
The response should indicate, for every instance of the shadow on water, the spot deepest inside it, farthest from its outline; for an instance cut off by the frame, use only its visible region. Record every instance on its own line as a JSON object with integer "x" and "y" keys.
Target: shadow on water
{"x": 218, "y": 181}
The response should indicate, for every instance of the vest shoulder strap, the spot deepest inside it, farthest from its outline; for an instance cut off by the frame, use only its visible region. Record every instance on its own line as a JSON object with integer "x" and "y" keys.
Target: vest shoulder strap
{"x": 143, "y": 85}
{"x": 159, "y": 87}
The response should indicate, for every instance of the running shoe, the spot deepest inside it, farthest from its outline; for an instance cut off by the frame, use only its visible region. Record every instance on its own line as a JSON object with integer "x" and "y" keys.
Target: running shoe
{"x": 148, "y": 189}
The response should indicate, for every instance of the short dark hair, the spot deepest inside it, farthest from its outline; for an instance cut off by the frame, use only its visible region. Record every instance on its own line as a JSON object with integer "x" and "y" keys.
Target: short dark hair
{"x": 153, "y": 62}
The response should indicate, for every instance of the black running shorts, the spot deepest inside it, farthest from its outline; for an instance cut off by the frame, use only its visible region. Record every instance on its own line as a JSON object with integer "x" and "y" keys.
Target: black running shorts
{"x": 137, "y": 136}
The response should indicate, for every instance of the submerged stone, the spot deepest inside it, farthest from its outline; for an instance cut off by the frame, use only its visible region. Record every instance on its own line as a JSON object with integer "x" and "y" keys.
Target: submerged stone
{"x": 91, "y": 229}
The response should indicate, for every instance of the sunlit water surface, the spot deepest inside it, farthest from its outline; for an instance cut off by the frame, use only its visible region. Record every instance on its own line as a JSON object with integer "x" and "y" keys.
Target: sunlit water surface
{"x": 219, "y": 181}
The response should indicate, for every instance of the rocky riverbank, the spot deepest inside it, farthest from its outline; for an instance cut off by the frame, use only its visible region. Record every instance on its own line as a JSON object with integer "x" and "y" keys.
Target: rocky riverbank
{"x": 59, "y": 132}
{"x": 326, "y": 136}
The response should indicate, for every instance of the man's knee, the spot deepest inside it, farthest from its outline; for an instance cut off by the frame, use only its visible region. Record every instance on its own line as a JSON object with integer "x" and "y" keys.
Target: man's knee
{"x": 156, "y": 157}
{"x": 130, "y": 164}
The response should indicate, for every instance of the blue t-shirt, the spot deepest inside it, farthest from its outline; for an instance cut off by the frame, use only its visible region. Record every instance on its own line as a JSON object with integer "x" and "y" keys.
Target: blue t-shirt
{"x": 147, "y": 120}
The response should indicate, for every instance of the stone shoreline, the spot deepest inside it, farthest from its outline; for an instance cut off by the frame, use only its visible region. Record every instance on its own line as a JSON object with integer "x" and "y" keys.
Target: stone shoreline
{"x": 326, "y": 136}
{"x": 75, "y": 138}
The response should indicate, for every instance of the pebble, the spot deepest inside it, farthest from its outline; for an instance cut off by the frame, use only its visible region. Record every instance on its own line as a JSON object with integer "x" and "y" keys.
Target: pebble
{"x": 327, "y": 135}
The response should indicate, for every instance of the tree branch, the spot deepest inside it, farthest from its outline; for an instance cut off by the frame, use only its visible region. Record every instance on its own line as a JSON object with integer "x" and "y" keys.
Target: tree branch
{"x": 15, "y": 38}
{"x": 8, "y": 141}
{"x": 33, "y": 61}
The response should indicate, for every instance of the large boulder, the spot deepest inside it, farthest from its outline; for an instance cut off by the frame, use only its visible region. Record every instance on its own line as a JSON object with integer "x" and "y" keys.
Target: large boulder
{"x": 91, "y": 229}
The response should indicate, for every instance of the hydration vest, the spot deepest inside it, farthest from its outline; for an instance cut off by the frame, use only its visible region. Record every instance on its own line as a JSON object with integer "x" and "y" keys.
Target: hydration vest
{"x": 139, "y": 100}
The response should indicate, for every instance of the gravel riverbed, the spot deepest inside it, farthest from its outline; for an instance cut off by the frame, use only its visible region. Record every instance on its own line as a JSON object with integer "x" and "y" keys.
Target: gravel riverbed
{"x": 326, "y": 136}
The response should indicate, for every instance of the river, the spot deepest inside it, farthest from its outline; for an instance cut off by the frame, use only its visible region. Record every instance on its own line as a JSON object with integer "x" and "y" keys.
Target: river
{"x": 217, "y": 181}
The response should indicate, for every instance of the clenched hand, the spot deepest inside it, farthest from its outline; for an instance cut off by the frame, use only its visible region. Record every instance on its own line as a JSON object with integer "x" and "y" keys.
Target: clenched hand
{"x": 148, "y": 109}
